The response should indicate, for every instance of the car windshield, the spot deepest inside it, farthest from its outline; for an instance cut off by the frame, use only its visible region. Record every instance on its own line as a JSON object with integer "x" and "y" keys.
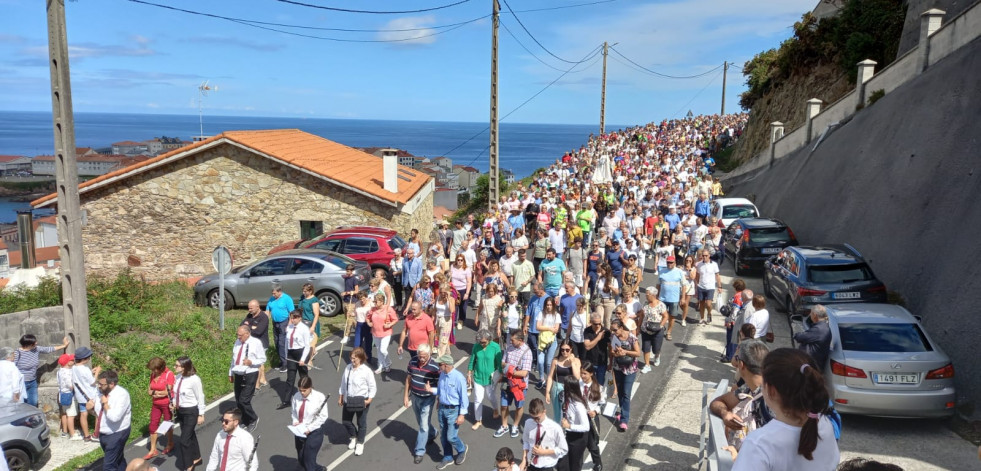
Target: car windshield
{"x": 872, "y": 337}
{"x": 839, "y": 273}
{"x": 770, "y": 234}
{"x": 739, "y": 211}
{"x": 396, "y": 242}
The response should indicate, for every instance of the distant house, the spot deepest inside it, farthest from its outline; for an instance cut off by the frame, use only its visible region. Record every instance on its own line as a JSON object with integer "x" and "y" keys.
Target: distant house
{"x": 405, "y": 157}
{"x": 467, "y": 176}
{"x": 247, "y": 190}
{"x": 446, "y": 197}
{"x": 171, "y": 143}
{"x": 129, "y": 148}
{"x": 43, "y": 257}
{"x": 45, "y": 232}
{"x": 4, "y": 261}
{"x": 89, "y": 165}
{"x": 14, "y": 164}
{"x": 445, "y": 163}
{"x": 508, "y": 176}
{"x": 153, "y": 146}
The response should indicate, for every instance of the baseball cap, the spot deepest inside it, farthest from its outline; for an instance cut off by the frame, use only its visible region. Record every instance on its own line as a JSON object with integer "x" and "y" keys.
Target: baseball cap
{"x": 670, "y": 258}
{"x": 65, "y": 358}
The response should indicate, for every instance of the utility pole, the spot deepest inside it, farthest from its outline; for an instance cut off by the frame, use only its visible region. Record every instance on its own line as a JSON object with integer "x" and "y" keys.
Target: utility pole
{"x": 725, "y": 71}
{"x": 73, "y": 293}
{"x": 603, "y": 94}
{"x": 493, "y": 196}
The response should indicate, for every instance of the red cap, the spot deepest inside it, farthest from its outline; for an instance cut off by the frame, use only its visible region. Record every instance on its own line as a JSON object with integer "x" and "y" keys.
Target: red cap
{"x": 64, "y": 359}
{"x": 670, "y": 258}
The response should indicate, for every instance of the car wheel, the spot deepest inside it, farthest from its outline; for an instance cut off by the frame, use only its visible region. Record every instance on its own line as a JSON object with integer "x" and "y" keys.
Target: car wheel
{"x": 735, "y": 264}
{"x": 330, "y": 304}
{"x": 18, "y": 460}
{"x": 214, "y": 299}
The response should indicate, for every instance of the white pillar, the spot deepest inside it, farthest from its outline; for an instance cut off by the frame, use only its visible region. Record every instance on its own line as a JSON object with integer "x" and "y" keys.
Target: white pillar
{"x": 776, "y": 132}
{"x": 930, "y": 22}
{"x": 866, "y": 69}
{"x": 812, "y": 110}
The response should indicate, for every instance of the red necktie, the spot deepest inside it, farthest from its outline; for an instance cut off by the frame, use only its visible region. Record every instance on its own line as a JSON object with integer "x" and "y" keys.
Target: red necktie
{"x": 538, "y": 442}
{"x": 585, "y": 391}
{"x": 240, "y": 350}
{"x": 291, "y": 336}
{"x": 303, "y": 406}
{"x": 98, "y": 421}
{"x": 224, "y": 454}
{"x": 177, "y": 403}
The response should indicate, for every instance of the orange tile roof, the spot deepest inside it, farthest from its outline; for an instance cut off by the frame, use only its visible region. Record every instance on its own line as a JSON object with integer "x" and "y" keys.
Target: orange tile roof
{"x": 336, "y": 162}
{"x": 41, "y": 255}
{"x": 9, "y": 158}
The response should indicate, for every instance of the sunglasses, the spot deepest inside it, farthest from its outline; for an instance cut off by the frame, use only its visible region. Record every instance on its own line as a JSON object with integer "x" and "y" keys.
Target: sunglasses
{"x": 227, "y": 421}
{"x": 565, "y": 350}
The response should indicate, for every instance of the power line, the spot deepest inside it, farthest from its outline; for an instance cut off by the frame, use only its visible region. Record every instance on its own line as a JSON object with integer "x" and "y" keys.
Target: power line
{"x": 532, "y": 36}
{"x": 373, "y": 12}
{"x": 564, "y": 7}
{"x": 658, "y": 74}
{"x": 696, "y": 95}
{"x": 546, "y": 64}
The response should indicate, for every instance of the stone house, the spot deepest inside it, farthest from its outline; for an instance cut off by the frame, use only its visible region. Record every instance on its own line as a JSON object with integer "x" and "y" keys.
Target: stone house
{"x": 247, "y": 190}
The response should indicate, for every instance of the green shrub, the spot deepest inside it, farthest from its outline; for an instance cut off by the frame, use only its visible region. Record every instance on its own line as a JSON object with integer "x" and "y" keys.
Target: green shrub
{"x": 876, "y": 95}
{"x": 47, "y": 293}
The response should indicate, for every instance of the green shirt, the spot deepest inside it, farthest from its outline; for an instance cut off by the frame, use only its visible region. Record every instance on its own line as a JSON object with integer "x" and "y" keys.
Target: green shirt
{"x": 484, "y": 361}
{"x": 522, "y": 273}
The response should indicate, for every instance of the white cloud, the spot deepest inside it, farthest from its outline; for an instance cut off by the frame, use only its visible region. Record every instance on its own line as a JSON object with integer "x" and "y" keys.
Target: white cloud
{"x": 421, "y": 33}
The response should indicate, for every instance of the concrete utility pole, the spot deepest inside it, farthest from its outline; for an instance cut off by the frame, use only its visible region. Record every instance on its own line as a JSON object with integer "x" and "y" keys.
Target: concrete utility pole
{"x": 73, "y": 291}
{"x": 725, "y": 71}
{"x": 493, "y": 190}
{"x": 603, "y": 93}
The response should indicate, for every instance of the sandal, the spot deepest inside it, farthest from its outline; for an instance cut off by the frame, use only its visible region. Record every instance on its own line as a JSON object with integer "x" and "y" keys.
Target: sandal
{"x": 667, "y": 336}
{"x": 149, "y": 456}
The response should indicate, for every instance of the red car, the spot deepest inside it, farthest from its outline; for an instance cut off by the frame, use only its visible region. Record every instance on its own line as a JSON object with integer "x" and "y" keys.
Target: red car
{"x": 374, "y": 245}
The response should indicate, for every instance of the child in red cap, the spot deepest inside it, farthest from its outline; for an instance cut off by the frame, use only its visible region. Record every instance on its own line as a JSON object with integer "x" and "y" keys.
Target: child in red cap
{"x": 66, "y": 397}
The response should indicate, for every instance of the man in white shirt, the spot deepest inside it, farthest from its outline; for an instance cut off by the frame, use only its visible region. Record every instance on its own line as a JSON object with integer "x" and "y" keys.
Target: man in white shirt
{"x": 234, "y": 447}
{"x": 543, "y": 441}
{"x": 707, "y": 282}
{"x": 309, "y": 415}
{"x": 112, "y": 424}
{"x": 297, "y": 350}
{"x": 11, "y": 379}
{"x": 247, "y": 357}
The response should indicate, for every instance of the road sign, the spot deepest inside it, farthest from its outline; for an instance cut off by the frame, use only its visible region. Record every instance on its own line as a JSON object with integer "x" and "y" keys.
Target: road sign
{"x": 222, "y": 260}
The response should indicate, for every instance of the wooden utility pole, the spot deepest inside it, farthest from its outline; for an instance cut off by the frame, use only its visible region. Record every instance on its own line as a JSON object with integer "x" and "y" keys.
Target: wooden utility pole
{"x": 74, "y": 296}
{"x": 725, "y": 71}
{"x": 493, "y": 196}
{"x": 603, "y": 93}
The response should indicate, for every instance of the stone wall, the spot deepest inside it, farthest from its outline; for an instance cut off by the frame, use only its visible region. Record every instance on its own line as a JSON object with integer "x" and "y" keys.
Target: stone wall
{"x": 165, "y": 222}
{"x": 48, "y": 325}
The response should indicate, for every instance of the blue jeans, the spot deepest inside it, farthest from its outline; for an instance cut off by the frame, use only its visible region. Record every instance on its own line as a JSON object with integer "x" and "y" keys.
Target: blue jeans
{"x": 279, "y": 334}
{"x": 362, "y": 338}
{"x": 31, "y": 387}
{"x": 423, "y": 407}
{"x": 450, "y": 436}
{"x": 625, "y": 383}
{"x": 545, "y": 360}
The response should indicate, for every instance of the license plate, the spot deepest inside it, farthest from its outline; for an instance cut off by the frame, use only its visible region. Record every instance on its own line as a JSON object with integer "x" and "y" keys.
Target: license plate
{"x": 847, "y": 295}
{"x": 894, "y": 378}
{"x": 770, "y": 250}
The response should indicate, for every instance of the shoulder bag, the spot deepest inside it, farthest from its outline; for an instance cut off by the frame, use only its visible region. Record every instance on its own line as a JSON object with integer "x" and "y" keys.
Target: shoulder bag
{"x": 353, "y": 403}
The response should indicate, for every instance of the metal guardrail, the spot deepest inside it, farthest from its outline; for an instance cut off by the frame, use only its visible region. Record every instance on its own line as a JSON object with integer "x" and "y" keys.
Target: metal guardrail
{"x": 712, "y": 435}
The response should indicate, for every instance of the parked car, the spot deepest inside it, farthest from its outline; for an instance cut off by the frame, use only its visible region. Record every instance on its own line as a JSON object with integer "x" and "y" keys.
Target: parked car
{"x": 371, "y": 244}
{"x": 291, "y": 269}
{"x": 751, "y": 241}
{"x": 800, "y": 277}
{"x": 24, "y": 435}
{"x": 883, "y": 363}
{"x": 727, "y": 210}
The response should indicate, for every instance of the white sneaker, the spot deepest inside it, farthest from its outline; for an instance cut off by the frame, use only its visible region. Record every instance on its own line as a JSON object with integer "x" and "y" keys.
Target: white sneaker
{"x": 683, "y": 323}
{"x": 352, "y": 443}
{"x": 76, "y": 437}
{"x": 646, "y": 369}
{"x": 343, "y": 340}
{"x": 379, "y": 370}
{"x": 657, "y": 362}
{"x": 359, "y": 449}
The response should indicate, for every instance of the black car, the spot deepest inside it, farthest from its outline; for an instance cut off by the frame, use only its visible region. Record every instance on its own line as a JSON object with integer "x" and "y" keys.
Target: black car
{"x": 749, "y": 242}
{"x": 800, "y": 277}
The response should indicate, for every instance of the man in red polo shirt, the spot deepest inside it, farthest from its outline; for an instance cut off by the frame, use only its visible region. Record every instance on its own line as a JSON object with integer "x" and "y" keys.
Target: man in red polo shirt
{"x": 418, "y": 327}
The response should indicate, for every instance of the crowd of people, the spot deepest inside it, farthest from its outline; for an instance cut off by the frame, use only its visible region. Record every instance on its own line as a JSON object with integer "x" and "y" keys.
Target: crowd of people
{"x": 551, "y": 286}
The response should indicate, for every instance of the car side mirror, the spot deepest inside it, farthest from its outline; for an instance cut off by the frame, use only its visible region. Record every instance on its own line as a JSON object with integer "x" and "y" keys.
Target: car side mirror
{"x": 918, "y": 318}
{"x": 246, "y": 274}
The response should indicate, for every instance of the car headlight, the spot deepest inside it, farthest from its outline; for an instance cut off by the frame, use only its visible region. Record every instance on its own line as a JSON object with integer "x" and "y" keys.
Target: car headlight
{"x": 32, "y": 421}
{"x": 201, "y": 281}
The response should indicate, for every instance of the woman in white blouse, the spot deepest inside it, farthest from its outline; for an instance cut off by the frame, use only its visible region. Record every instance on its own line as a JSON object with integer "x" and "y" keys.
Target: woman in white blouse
{"x": 188, "y": 405}
{"x": 575, "y": 422}
{"x": 592, "y": 393}
{"x": 357, "y": 383}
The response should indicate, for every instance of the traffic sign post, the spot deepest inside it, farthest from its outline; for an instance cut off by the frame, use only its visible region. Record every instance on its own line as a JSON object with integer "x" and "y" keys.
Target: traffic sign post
{"x": 222, "y": 261}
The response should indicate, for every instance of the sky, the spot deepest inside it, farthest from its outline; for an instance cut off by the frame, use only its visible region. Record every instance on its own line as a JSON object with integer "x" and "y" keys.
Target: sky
{"x": 133, "y": 57}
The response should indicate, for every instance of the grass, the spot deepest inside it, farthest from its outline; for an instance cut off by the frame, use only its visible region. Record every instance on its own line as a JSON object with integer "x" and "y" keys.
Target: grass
{"x": 724, "y": 161}
{"x": 132, "y": 321}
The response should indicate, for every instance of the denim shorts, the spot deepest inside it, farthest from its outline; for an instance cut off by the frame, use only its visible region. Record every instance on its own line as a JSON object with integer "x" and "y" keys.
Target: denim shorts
{"x": 706, "y": 294}
{"x": 507, "y": 399}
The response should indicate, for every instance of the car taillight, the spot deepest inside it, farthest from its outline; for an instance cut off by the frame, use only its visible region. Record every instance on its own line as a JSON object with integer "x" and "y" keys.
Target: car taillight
{"x": 841, "y": 369}
{"x": 810, "y": 292}
{"x": 877, "y": 289}
{"x": 745, "y": 237}
{"x": 791, "y": 234}
{"x": 946, "y": 372}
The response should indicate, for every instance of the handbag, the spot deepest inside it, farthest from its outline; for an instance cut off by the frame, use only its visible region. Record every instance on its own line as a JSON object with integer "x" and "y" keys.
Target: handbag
{"x": 353, "y": 403}
{"x": 625, "y": 361}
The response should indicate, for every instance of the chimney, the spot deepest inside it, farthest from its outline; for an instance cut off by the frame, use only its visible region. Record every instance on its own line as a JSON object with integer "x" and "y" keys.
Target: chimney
{"x": 390, "y": 169}
{"x": 25, "y": 231}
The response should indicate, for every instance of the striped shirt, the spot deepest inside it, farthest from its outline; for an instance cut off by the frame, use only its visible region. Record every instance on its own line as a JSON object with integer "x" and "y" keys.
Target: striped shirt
{"x": 27, "y": 361}
{"x": 420, "y": 375}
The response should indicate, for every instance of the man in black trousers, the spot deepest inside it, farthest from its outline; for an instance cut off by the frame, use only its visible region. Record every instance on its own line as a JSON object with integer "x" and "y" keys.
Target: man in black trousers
{"x": 247, "y": 357}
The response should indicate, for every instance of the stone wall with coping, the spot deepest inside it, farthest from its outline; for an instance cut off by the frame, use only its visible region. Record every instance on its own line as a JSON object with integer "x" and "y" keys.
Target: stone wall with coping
{"x": 164, "y": 223}
{"x": 48, "y": 325}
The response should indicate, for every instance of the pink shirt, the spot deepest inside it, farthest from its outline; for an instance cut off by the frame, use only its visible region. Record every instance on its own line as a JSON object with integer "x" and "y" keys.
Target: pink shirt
{"x": 378, "y": 319}
{"x": 459, "y": 278}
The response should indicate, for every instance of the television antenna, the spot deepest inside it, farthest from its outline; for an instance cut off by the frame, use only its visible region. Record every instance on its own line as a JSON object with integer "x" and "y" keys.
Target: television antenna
{"x": 203, "y": 90}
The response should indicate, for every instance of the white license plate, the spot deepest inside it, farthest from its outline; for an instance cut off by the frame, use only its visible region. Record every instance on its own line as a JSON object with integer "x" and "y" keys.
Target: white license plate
{"x": 895, "y": 378}
{"x": 847, "y": 295}
{"x": 770, "y": 250}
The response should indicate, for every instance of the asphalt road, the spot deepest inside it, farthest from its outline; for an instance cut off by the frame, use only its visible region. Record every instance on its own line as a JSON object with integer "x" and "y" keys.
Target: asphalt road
{"x": 392, "y": 428}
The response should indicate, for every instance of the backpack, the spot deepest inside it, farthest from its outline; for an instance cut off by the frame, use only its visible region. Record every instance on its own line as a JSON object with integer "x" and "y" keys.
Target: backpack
{"x": 832, "y": 414}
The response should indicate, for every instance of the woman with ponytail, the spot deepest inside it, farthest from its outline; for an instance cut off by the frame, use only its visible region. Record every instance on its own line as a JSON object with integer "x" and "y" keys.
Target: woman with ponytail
{"x": 800, "y": 437}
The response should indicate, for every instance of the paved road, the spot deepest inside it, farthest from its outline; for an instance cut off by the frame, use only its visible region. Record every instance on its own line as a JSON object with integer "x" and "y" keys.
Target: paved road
{"x": 392, "y": 428}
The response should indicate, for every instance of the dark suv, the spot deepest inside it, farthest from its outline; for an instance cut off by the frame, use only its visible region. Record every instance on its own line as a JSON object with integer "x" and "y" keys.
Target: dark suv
{"x": 371, "y": 244}
{"x": 800, "y": 277}
{"x": 751, "y": 241}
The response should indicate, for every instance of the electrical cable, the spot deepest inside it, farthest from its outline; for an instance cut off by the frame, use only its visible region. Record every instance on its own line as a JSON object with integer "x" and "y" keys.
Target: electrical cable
{"x": 664, "y": 75}
{"x": 696, "y": 95}
{"x": 372, "y": 12}
{"x": 564, "y": 6}
{"x": 546, "y": 64}
{"x": 532, "y": 36}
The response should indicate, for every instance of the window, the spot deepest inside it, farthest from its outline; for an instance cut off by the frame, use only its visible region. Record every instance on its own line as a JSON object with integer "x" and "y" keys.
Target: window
{"x": 396, "y": 242}
{"x": 332, "y": 244}
{"x": 306, "y": 267}
{"x": 359, "y": 246}
{"x": 311, "y": 229}
{"x": 839, "y": 273}
{"x": 739, "y": 211}
{"x": 774, "y": 234}
{"x": 883, "y": 338}
{"x": 274, "y": 267}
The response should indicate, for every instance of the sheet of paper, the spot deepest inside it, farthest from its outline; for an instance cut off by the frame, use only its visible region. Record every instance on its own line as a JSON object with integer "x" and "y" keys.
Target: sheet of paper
{"x": 297, "y": 431}
{"x": 610, "y": 409}
{"x": 164, "y": 426}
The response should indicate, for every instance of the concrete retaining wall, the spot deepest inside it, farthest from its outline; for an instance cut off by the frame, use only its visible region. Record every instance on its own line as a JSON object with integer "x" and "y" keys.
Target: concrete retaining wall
{"x": 48, "y": 325}
{"x": 957, "y": 32}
